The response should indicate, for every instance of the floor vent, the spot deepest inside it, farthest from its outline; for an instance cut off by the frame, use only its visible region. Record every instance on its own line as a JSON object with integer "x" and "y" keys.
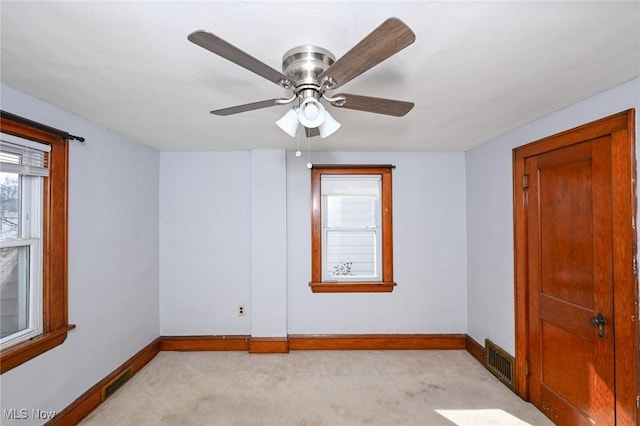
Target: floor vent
{"x": 111, "y": 387}
{"x": 500, "y": 363}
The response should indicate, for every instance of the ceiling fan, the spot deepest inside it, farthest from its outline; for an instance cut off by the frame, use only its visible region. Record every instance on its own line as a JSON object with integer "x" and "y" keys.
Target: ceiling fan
{"x": 310, "y": 71}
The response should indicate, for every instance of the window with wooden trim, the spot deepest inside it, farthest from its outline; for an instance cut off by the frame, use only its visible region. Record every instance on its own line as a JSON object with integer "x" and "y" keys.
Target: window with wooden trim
{"x": 351, "y": 229}
{"x": 34, "y": 241}
{"x": 23, "y": 166}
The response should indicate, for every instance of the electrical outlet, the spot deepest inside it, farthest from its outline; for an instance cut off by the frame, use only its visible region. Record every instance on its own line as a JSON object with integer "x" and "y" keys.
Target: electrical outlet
{"x": 241, "y": 310}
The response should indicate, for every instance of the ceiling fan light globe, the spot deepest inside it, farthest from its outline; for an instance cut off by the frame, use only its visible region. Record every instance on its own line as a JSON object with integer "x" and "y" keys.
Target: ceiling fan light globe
{"x": 289, "y": 123}
{"x": 311, "y": 113}
{"x": 328, "y": 126}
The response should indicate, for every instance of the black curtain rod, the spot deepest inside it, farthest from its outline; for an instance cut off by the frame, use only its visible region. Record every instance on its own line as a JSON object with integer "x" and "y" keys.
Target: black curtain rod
{"x": 44, "y": 127}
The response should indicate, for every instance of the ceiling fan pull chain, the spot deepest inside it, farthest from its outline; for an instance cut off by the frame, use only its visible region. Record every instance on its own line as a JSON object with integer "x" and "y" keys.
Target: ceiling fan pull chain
{"x": 298, "y": 153}
{"x": 309, "y": 165}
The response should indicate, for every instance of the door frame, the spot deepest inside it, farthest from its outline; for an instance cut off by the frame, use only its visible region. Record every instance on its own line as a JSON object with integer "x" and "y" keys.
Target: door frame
{"x": 621, "y": 129}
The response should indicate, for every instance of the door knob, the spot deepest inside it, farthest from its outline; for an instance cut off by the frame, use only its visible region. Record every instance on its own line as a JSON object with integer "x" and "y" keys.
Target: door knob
{"x": 599, "y": 322}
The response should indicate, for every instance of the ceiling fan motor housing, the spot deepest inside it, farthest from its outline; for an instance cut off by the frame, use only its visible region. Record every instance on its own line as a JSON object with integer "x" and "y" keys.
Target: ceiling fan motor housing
{"x": 303, "y": 65}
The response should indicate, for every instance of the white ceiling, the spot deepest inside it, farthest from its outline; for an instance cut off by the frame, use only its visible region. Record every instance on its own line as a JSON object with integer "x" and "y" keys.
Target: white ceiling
{"x": 476, "y": 70}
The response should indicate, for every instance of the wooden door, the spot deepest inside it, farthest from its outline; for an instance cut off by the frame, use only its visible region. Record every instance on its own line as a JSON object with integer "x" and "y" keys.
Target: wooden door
{"x": 575, "y": 244}
{"x": 571, "y": 283}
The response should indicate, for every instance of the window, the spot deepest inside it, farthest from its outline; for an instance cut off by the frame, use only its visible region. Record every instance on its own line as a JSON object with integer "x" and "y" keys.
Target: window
{"x": 33, "y": 241}
{"x": 351, "y": 233}
{"x": 22, "y": 167}
{"x": 350, "y": 217}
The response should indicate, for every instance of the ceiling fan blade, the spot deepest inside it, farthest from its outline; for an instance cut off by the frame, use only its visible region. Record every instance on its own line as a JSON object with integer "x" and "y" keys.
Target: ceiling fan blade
{"x": 389, "y": 38}
{"x": 377, "y": 105}
{"x": 311, "y": 132}
{"x": 246, "y": 107}
{"x": 220, "y": 47}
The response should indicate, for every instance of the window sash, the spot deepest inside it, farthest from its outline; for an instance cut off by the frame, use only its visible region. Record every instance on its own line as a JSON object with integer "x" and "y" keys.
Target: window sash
{"x": 28, "y": 270}
{"x": 30, "y": 205}
{"x": 28, "y": 315}
{"x": 345, "y": 263}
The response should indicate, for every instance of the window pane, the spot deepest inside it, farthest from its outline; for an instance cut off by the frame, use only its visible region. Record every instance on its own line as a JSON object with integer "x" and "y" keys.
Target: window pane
{"x": 351, "y": 254}
{"x": 351, "y": 211}
{"x": 9, "y": 205}
{"x": 14, "y": 290}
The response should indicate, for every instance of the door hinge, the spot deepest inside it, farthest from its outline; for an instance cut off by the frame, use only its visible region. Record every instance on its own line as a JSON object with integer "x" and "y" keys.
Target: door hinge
{"x": 526, "y": 367}
{"x": 525, "y": 181}
{"x": 638, "y": 401}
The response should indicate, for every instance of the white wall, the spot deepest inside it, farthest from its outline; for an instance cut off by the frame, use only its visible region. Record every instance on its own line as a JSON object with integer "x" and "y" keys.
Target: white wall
{"x": 268, "y": 243}
{"x": 113, "y": 262}
{"x": 205, "y": 242}
{"x": 490, "y": 276}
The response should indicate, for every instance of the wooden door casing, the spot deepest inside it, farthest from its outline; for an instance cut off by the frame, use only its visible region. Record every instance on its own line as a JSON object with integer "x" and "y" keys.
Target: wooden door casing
{"x": 619, "y": 130}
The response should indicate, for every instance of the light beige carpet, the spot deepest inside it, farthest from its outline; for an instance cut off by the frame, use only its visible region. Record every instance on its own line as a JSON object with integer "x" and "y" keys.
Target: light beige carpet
{"x": 315, "y": 388}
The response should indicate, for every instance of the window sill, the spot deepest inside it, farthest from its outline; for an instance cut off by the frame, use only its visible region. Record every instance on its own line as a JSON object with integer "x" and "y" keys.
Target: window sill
{"x": 352, "y": 287}
{"x": 20, "y": 353}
